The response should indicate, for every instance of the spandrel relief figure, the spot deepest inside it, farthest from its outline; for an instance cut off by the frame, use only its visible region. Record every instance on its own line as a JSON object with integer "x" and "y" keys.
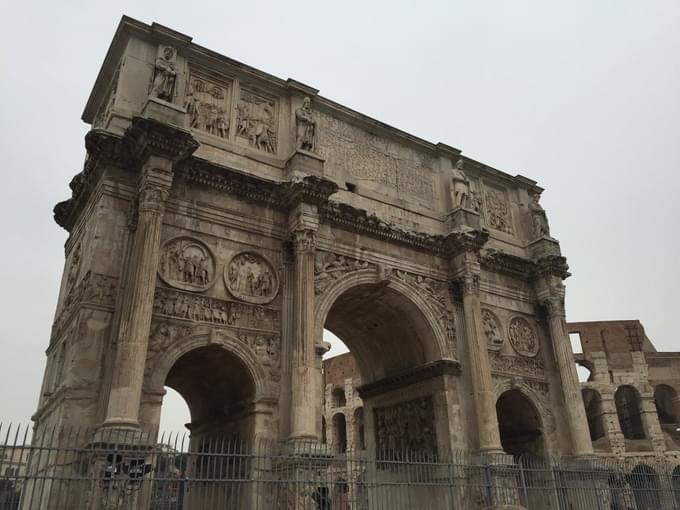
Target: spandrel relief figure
{"x": 165, "y": 74}
{"x": 305, "y": 127}
{"x": 460, "y": 186}
{"x": 538, "y": 217}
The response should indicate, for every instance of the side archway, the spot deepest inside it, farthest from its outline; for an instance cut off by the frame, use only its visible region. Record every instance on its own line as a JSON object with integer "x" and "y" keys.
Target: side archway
{"x": 627, "y": 400}
{"x": 519, "y": 422}
{"x": 593, "y": 406}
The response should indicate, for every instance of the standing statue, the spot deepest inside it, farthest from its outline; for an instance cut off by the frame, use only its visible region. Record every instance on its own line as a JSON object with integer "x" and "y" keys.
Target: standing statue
{"x": 461, "y": 186}
{"x": 305, "y": 127}
{"x": 163, "y": 86}
{"x": 538, "y": 217}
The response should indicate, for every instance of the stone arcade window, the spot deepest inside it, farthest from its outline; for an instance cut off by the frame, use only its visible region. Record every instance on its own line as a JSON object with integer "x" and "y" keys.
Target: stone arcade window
{"x": 664, "y": 398}
{"x": 627, "y": 401}
{"x": 645, "y": 484}
{"x": 340, "y": 433}
{"x": 593, "y": 404}
{"x": 339, "y": 399}
{"x": 359, "y": 438}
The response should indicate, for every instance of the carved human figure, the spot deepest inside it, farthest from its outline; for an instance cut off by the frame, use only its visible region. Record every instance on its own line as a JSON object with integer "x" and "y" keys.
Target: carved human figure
{"x": 538, "y": 217}
{"x": 491, "y": 330}
{"x": 164, "y": 76}
{"x": 460, "y": 186}
{"x": 305, "y": 126}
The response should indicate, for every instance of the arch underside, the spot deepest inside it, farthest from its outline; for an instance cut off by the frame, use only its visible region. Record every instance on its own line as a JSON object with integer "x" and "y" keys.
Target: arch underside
{"x": 386, "y": 331}
{"x": 519, "y": 424}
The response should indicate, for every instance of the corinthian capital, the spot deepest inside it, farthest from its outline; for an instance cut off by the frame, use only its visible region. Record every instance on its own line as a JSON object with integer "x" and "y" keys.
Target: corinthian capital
{"x": 554, "y": 305}
{"x": 152, "y": 198}
{"x": 469, "y": 283}
{"x": 304, "y": 240}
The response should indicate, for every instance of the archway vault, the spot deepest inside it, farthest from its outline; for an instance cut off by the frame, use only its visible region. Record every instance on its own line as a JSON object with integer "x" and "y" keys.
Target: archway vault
{"x": 388, "y": 324}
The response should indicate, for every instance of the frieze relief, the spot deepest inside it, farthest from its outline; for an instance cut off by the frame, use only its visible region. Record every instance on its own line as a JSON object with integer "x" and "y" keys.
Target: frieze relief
{"x": 250, "y": 277}
{"x": 329, "y": 267}
{"x": 187, "y": 264}
{"x": 516, "y": 365}
{"x": 207, "y": 104}
{"x": 498, "y": 211}
{"x": 187, "y": 306}
{"x": 406, "y": 426}
{"x": 493, "y": 330}
{"x": 523, "y": 337}
{"x": 257, "y": 121}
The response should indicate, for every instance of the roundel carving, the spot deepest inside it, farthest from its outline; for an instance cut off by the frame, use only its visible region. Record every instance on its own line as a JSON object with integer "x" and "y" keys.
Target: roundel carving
{"x": 188, "y": 264}
{"x": 523, "y": 337}
{"x": 492, "y": 330}
{"x": 250, "y": 277}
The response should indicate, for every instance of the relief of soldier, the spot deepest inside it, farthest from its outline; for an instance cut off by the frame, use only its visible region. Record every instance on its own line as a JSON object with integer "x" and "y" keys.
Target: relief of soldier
{"x": 249, "y": 276}
{"x": 187, "y": 264}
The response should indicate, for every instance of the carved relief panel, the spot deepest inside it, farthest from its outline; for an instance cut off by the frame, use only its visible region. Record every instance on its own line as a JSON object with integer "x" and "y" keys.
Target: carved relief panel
{"x": 250, "y": 277}
{"x": 188, "y": 264}
{"x": 406, "y": 426}
{"x": 257, "y": 120}
{"x": 498, "y": 214}
{"x": 492, "y": 329}
{"x": 208, "y": 105}
{"x": 523, "y": 337}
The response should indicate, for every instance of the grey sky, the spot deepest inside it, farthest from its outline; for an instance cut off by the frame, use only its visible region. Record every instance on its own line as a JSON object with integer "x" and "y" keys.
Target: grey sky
{"x": 582, "y": 96}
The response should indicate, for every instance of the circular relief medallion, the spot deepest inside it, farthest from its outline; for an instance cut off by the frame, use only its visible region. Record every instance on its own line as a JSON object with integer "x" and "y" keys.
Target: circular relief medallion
{"x": 492, "y": 330}
{"x": 251, "y": 277}
{"x": 523, "y": 337}
{"x": 187, "y": 264}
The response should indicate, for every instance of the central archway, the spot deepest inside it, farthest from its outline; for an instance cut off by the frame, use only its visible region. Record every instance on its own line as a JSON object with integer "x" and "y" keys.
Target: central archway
{"x": 399, "y": 340}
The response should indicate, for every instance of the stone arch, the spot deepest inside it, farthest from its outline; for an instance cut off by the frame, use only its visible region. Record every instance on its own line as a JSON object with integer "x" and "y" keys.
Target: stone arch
{"x": 521, "y": 418}
{"x": 629, "y": 411}
{"x": 339, "y": 423}
{"x": 592, "y": 401}
{"x": 587, "y": 365}
{"x": 665, "y": 398}
{"x": 164, "y": 361}
{"x": 428, "y": 335}
{"x": 646, "y": 490}
{"x": 338, "y": 397}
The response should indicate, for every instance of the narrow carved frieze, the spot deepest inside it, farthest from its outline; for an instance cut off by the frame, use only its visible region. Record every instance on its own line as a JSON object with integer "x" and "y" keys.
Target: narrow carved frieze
{"x": 183, "y": 305}
{"x": 516, "y": 365}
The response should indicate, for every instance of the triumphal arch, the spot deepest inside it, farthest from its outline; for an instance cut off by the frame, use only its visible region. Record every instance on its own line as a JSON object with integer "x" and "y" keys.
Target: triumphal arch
{"x": 224, "y": 217}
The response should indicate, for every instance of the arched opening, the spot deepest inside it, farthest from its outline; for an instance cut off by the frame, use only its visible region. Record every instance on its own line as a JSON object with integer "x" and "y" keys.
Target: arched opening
{"x": 627, "y": 401}
{"x": 359, "y": 439}
{"x": 593, "y": 405}
{"x": 664, "y": 398}
{"x": 584, "y": 370}
{"x": 338, "y": 396}
{"x": 218, "y": 389}
{"x": 391, "y": 333}
{"x": 675, "y": 484}
{"x": 340, "y": 433}
{"x": 175, "y": 415}
{"x": 519, "y": 424}
{"x": 645, "y": 484}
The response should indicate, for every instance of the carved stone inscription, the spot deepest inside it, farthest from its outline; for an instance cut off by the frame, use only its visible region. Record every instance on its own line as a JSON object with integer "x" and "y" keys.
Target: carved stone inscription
{"x": 208, "y": 106}
{"x": 187, "y": 264}
{"x": 498, "y": 211}
{"x": 523, "y": 337}
{"x": 204, "y": 309}
{"x": 351, "y": 151}
{"x": 492, "y": 330}
{"x": 257, "y": 120}
{"x": 406, "y": 426}
{"x": 251, "y": 278}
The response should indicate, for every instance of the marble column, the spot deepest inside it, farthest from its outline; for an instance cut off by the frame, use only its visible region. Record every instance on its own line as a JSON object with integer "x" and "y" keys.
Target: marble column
{"x": 483, "y": 393}
{"x": 126, "y": 385}
{"x": 305, "y": 371}
{"x": 564, "y": 358}
{"x": 465, "y": 248}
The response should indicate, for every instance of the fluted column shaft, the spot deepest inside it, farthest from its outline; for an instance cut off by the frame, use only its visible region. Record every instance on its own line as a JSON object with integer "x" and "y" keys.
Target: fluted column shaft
{"x": 571, "y": 388}
{"x": 128, "y": 372}
{"x": 483, "y": 393}
{"x": 305, "y": 372}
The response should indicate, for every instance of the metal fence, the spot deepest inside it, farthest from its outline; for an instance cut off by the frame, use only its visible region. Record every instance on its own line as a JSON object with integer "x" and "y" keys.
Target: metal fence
{"x": 72, "y": 469}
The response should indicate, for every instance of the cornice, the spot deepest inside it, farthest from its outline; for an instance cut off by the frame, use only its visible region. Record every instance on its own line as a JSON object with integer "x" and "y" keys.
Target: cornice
{"x": 360, "y": 221}
{"x": 147, "y": 137}
{"x": 408, "y": 377}
{"x": 552, "y": 265}
{"x": 499, "y": 262}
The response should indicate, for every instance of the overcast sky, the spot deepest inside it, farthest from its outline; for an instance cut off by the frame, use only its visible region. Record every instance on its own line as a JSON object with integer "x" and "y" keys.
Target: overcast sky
{"x": 581, "y": 95}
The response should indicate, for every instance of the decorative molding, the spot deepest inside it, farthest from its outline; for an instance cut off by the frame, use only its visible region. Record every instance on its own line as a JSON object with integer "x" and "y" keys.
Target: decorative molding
{"x": 516, "y": 365}
{"x": 409, "y": 377}
{"x": 251, "y": 277}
